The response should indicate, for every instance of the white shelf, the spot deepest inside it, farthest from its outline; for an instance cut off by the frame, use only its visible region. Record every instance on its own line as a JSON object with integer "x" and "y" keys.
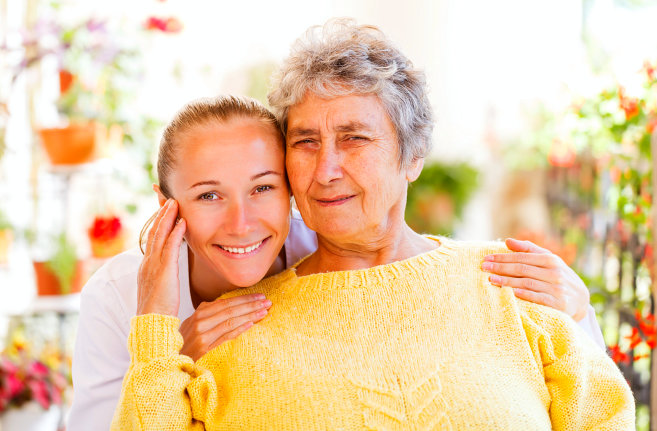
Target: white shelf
{"x": 55, "y": 303}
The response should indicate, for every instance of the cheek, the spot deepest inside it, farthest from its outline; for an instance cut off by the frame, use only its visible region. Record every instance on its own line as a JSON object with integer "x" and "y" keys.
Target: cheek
{"x": 298, "y": 173}
{"x": 201, "y": 225}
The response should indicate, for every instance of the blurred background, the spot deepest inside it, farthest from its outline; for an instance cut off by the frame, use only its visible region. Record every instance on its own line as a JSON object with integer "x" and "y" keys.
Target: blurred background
{"x": 546, "y": 116}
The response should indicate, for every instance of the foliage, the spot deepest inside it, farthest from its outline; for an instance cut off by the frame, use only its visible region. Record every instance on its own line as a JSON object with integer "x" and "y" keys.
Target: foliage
{"x": 63, "y": 263}
{"x": 599, "y": 162}
{"x": 437, "y": 198}
{"x": 4, "y": 221}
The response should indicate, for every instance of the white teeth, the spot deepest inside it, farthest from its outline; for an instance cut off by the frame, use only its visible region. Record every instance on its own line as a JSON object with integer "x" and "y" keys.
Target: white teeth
{"x": 238, "y": 250}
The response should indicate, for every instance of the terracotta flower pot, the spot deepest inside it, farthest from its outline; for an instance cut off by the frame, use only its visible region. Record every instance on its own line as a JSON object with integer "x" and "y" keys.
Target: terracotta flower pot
{"x": 103, "y": 249}
{"x": 47, "y": 283}
{"x": 70, "y": 145}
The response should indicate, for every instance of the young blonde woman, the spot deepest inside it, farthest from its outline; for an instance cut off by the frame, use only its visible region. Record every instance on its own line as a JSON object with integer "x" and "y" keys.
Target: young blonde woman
{"x": 221, "y": 171}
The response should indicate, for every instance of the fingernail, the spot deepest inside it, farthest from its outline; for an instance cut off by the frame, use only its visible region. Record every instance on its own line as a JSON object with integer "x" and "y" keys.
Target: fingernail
{"x": 487, "y": 266}
{"x": 495, "y": 279}
{"x": 178, "y": 220}
{"x": 490, "y": 258}
{"x": 260, "y": 296}
{"x": 262, "y": 312}
{"x": 266, "y": 303}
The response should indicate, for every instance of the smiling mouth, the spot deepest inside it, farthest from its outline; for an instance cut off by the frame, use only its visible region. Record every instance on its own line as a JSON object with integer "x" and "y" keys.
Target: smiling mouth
{"x": 242, "y": 250}
{"x": 334, "y": 201}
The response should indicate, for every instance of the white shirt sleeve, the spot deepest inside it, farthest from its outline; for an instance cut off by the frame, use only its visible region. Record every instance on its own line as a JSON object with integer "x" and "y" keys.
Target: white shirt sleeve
{"x": 590, "y": 325}
{"x": 100, "y": 358}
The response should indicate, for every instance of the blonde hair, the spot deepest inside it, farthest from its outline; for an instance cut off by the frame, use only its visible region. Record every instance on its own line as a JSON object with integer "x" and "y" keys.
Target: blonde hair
{"x": 342, "y": 58}
{"x": 201, "y": 112}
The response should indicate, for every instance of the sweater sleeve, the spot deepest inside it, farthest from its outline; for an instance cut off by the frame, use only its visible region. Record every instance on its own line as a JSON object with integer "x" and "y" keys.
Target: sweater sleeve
{"x": 162, "y": 389}
{"x": 587, "y": 390}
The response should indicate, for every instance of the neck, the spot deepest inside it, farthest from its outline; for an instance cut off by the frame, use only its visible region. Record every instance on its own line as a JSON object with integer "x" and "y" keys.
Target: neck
{"x": 391, "y": 246}
{"x": 205, "y": 285}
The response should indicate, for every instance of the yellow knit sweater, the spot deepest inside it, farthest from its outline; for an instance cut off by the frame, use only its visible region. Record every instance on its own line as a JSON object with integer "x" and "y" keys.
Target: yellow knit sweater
{"x": 421, "y": 344}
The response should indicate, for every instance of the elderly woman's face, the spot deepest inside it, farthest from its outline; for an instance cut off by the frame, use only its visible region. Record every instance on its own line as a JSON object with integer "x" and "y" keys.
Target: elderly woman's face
{"x": 342, "y": 162}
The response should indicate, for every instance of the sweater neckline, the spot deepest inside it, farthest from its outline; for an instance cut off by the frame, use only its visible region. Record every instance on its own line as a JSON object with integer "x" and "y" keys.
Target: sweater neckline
{"x": 376, "y": 275}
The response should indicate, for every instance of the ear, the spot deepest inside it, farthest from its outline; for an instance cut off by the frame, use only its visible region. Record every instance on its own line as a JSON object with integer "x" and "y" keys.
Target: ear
{"x": 414, "y": 170}
{"x": 160, "y": 197}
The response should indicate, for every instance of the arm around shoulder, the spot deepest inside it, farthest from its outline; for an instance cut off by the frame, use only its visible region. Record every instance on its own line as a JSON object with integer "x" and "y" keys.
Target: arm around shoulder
{"x": 587, "y": 390}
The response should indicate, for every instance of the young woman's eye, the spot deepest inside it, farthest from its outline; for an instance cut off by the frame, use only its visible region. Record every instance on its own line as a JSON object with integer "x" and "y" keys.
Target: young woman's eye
{"x": 210, "y": 196}
{"x": 261, "y": 189}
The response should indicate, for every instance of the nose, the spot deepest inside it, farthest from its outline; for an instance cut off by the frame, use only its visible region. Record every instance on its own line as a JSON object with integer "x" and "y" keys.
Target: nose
{"x": 238, "y": 221}
{"x": 328, "y": 165}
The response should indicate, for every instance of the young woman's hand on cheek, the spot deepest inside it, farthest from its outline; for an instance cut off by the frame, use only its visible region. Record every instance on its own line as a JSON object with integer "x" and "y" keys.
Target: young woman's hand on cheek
{"x": 216, "y": 322}
{"x": 159, "y": 290}
{"x": 539, "y": 276}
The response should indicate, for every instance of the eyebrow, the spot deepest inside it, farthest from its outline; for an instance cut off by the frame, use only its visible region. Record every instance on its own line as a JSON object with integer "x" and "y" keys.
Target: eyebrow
{"x": 263, "y": 174}
{"x": 205, "y": 183}
{"x": 216, "y": 183}
{"x": 352, "y": 126}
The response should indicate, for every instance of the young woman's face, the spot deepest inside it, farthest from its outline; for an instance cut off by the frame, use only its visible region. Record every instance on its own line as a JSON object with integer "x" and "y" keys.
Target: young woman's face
{"x": 230, "y": 183}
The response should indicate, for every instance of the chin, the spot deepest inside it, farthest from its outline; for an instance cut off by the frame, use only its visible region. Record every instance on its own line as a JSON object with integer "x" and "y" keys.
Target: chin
{"x": 245, "y": 280}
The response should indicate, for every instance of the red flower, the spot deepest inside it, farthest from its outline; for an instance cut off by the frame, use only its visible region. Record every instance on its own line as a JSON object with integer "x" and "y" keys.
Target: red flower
{"x": 617, "y": 355}
{"x": 561, "y": 154}
{"x": 165, "y": 25}
{"x": 649, "y": 69}
{"x": 634, "y": 338}
{"x": 105, "y": 228}
{"x": 628, "y": 104}
{"x": 652, "y": 123}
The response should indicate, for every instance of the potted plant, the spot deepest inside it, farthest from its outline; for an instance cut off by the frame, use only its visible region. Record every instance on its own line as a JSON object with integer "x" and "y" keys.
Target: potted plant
{"x": 107, "y": 236}
{"x": 31, "y": 391}
{"x": 6, "y": 237}
{"x": 94, "y": 81}
{"x": 63, "y": 273}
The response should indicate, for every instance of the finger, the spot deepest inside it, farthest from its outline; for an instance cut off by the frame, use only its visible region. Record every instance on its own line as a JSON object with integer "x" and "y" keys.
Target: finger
{"x": 172, "y": 245}
{"x": 231, "y": 335}
{"x": 233, "y": 323}
{"x": 523, "y": 271}
{"x": 220, "y": 304}
{"x": 153, "y": 228}
{"x": 251, "y": 310}
{"x": 526, "y": 246}
{"x": 537, "y": 298}
{"x": 164, "y": 227}
{"x": 537, "y": 259}
{"x": 523, "y": 283}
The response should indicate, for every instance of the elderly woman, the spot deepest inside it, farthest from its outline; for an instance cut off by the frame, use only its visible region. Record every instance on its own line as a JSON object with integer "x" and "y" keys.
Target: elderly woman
{"x": 380, "y": 328}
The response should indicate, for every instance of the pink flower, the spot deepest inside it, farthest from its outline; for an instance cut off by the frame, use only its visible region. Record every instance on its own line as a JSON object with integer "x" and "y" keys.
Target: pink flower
{"x": 40, "y": 393}
{"x": 14, "y": 385}
{"x": 38, "y": 370}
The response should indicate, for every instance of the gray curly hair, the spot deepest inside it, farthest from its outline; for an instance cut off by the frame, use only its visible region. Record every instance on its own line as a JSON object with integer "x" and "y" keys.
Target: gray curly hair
{"x": 342, "y": 58}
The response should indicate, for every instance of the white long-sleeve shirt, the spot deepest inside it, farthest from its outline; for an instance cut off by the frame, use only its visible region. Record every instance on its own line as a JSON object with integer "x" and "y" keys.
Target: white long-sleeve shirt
{"x": 109, "y": 301}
